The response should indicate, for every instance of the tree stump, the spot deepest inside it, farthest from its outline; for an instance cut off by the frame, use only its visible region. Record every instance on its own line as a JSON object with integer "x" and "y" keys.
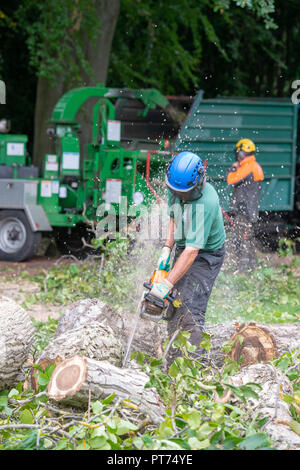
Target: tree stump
{"x": 16, "y": 336}
{"x": 286, "y": 337}
{"x": 77, "y": 380}
{"x": 253, "y": 344}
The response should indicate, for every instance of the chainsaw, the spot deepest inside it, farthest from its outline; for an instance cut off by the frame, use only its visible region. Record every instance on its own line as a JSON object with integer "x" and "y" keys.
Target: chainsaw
{"x": 153, "y": 307}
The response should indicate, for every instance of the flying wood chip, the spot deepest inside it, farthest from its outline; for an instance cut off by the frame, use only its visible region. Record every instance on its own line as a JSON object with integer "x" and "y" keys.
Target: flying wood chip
{"x": 67, "y": 378}
{"x": 253, "y": 343}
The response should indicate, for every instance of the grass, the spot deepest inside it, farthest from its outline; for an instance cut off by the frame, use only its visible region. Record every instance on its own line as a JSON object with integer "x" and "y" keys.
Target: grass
{"x": 269, "y": 295}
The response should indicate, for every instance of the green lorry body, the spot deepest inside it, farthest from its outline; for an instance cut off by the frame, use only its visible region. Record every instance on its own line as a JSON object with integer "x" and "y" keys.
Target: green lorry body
{"x": 213, "y": 126}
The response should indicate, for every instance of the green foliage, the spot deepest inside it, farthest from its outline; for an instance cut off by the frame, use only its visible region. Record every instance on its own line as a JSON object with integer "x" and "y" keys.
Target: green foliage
{"x": 287, "y": 247}
{"x": 269, "y": 295}
{"x": 57, "y": 33}
{"x": 177, "y": 40}
{"x": 193, "y": 419}
{"x": 68, "y": 283}
{"x": 44, "y": 333}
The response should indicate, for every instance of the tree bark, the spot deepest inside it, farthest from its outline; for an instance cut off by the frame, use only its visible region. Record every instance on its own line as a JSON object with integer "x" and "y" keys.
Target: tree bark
{"x": 98, "y": 56}
{"x": 94, "y": 340}
{"x": 16, "y": 336}
{"x": 46, "y": 98}
{"x": 150, "y": 336}
{"x": 269, "y": 403}
{"x": 78, "y": 379}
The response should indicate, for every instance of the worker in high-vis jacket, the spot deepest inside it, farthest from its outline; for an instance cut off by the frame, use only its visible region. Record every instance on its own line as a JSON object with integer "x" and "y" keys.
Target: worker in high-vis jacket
{"x": 245, "y": 175}
{"x": 196, "y": 227}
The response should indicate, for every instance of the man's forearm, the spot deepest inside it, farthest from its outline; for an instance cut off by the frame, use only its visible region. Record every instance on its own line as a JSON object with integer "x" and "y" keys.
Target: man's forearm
{"x": 170, "y": 234}
{"x": 182, "y": 265}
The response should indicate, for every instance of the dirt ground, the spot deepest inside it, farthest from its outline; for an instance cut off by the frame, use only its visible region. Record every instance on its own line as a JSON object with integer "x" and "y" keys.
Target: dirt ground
{"x": 12, "y": 285}
{"x": 17, "y": 288}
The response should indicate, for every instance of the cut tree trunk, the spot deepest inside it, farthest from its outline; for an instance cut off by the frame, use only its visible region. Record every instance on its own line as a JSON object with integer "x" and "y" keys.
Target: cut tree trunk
{"x": 16, "y": 336}
{"x": 150, "y": 336}
{"x": 77, "y": 380}
{"x": 286, "y": 337}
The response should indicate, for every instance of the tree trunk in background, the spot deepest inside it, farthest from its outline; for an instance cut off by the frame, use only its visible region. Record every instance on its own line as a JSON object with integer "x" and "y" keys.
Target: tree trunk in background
{"x": 46, "y": 98}
{"x": 97, "y": 54}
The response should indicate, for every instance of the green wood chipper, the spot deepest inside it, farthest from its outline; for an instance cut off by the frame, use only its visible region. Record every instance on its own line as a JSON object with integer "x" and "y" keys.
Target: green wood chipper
{"x": 79, "y": 184}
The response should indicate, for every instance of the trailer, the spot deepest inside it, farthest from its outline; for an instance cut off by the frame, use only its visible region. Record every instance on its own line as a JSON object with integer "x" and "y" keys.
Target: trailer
{"x": 212, "y": 128}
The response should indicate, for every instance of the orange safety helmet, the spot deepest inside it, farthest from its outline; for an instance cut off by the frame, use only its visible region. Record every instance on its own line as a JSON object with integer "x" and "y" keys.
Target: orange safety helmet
{"x": 244, "y": 148}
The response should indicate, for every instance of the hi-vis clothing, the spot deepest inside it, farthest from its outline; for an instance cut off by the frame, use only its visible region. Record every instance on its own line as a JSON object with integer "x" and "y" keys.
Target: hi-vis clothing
{"x": 246, "y": 180}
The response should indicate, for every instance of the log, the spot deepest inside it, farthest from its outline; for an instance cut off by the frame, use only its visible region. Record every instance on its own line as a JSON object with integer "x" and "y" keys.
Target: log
{"x": 78, "y": 379}
{"x": 94, "y": 340}
{"x": 16, "y": 337}
{"x": 86, "y": 311}
{"x": 269, "y": 403}
{"x": 150, "y": 336}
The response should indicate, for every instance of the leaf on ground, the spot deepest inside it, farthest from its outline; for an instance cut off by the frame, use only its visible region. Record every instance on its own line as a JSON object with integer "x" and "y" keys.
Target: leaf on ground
{"x": 295, "y": 426}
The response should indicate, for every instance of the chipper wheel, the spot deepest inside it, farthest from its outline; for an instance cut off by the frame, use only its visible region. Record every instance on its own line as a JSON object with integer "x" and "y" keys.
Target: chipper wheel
{"x": 17, "y": 240}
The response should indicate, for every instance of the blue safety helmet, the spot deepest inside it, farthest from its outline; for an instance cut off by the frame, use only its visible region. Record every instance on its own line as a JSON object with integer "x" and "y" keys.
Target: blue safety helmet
{"x": 185, "y": 176}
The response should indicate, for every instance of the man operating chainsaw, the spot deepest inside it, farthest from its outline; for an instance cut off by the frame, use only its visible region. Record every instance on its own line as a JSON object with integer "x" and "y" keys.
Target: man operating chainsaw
{"x": 196, "y": 229}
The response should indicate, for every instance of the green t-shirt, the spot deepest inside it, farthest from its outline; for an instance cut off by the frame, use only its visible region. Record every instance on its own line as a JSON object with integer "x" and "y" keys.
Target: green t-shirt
{"x": 198, "y": 223}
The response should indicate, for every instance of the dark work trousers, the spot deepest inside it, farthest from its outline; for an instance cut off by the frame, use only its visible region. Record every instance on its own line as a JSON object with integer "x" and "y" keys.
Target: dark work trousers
{"x": 243, "y": 244}
{"x": 194, "y": 290}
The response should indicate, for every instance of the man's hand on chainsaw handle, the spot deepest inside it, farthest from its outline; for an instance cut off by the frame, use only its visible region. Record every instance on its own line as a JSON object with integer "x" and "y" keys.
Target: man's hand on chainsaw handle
{"x": 164, "y": 259}
{"x": 162, "y": 289}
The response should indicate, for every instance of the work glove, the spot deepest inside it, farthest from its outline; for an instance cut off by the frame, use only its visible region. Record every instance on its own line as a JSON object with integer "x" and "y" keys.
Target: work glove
{"x": 164, "y": 260}
{"x": 162, "y": 289}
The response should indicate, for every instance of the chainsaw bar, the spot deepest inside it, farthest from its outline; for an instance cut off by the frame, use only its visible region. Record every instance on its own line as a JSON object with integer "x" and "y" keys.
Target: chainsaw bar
{"x": 150, "y": 311}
